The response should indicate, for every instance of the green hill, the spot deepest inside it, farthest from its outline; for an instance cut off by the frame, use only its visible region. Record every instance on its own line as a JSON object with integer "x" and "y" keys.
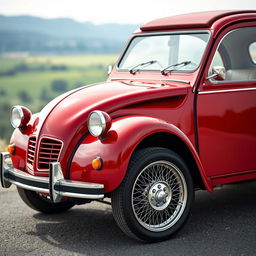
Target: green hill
{"x": 38, "y": 35}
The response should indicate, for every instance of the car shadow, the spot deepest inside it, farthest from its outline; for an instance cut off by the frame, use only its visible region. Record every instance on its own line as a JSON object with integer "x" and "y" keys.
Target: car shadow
{"x": 218, "y": 220}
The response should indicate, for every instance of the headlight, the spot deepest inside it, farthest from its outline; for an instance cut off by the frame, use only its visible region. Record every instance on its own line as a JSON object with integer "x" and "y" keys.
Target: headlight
{"x": 20, "y": 116}
{"x": 99, "y": 123}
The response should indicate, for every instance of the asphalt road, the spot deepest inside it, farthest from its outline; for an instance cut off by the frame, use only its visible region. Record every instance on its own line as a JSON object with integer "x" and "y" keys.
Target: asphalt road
{"x": 221, "y": 223}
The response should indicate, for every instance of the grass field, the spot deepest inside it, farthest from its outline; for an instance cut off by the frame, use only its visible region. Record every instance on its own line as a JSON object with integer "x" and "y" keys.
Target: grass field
{"x": 82, "y": 70}
{"x": 39, "y": 75}
{"x": 34, "y": 82}
{"x": 81, "y": 61}
{"x": 76, "y": 60}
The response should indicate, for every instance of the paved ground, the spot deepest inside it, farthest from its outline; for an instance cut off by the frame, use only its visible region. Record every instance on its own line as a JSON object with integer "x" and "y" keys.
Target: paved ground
{"x": 222, "y": 223}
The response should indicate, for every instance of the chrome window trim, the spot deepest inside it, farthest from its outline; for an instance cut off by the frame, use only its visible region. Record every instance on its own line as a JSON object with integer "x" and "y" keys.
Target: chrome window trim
{"x": 228, "y": 90}
{"x": 215, "y": 82}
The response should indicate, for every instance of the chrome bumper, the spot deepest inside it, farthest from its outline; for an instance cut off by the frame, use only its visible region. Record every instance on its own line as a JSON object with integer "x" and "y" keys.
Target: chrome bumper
{"x": 56, "y": 186}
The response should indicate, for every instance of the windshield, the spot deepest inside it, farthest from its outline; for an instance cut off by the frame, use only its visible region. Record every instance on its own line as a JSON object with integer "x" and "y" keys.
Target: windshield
{"x": 163, "y": 51}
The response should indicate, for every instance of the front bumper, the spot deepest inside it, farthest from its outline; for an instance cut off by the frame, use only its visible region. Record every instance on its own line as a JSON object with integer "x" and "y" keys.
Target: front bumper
{"x": 56, "y": 186}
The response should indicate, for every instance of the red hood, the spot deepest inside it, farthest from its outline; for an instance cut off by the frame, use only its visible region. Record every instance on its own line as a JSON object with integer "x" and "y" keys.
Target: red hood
{"x": 65, "y": 118}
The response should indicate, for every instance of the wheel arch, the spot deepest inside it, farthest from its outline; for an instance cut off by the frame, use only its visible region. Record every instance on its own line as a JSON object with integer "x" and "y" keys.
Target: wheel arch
{"x": 127, "y": 135}
{"x": 176, "y": 144}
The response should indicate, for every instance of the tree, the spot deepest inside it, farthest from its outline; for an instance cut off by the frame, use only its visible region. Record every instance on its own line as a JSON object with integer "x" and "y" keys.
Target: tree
{"x": 59, "y": 85}
{"x": 24, "y": 96}
{"x": 44, "y": 95}
{"x": 5, "y": 126}
{"x": 2, "y": 92}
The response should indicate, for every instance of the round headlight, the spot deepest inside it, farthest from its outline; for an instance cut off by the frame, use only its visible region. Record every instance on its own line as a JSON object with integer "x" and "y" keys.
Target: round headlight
{"x": 99, "y": 123}
{"x": 20, "y": 116}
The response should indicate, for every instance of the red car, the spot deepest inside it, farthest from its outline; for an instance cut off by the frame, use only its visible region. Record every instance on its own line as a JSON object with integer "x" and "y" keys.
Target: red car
{"x": 175, "y": 115}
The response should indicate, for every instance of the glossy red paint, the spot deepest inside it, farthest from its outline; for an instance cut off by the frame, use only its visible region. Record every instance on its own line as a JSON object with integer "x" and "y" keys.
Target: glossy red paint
{"x": 116, "y": 150}
{"x": 226, "y": 128}
{"x": 193, "y": 20}
{"x": 220, "y": 129}
{"x": 112, "y": 96}
{"x": 19, "y": 156}
{"x": 26, "y": 118}
{"x": 187, "y": 105}
{"x": 231, "y": 21}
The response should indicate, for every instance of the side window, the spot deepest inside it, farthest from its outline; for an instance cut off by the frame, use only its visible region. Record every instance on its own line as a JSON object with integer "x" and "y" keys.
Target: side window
{"x": 217, "y": 63}
{"x": 235, "y": 58}
{"x": 217, "y": 60}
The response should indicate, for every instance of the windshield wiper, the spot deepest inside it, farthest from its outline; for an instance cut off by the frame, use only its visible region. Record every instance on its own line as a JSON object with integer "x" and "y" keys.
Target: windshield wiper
{"x": 168, "y": 70}
{"x": 135, "y": 69}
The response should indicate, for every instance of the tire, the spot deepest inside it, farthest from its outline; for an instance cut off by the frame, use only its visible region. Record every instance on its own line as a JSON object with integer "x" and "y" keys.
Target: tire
{"x": 41, "y": 203}
{"x": 154, "y": 200}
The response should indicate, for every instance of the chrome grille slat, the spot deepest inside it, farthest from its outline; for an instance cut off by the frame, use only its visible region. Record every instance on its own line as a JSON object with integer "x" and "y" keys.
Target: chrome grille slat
{"x": 49, "y": 151}
{"x": 31, "y": 153}
{"x": 50, "y": 144}
{"x": 48, "y": 148}
{"x": 44, "y": 153}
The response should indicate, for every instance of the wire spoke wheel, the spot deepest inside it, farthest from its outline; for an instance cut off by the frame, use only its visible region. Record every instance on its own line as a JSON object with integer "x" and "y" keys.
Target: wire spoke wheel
{"x": 159, "y": 196}
{"x": 154, "y": 200}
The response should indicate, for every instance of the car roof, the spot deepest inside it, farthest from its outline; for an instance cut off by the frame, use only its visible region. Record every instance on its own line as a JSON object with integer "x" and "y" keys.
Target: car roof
{"x": 192, "y": 20}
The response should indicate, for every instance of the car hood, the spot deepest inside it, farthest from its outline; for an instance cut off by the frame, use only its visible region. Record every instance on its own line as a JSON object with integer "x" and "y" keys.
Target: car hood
{"x": 65, "y": 117}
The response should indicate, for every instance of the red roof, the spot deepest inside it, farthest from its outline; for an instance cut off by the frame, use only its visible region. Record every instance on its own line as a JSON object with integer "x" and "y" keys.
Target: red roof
{"x": 191, "y": 20}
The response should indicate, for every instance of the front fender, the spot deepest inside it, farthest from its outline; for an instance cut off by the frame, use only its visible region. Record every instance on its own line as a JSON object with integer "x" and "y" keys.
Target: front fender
{"x": 19, "y": 158}
{"x": 117, "y": 148}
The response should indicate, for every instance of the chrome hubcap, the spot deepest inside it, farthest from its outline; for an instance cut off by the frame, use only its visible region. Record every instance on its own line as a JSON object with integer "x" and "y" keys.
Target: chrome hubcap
{"x": 159, "y": 196}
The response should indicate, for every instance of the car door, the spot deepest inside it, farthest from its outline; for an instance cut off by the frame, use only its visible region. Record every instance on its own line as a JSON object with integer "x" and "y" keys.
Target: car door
{"x": 226, "y": 105}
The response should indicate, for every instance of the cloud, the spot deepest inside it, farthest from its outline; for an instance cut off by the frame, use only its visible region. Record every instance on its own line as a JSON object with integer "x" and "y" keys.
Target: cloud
{"x": 117, "y": 11}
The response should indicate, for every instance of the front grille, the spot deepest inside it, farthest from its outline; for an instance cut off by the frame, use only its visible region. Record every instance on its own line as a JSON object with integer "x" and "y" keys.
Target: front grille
{"x": 49, "y": 151}
{"x": 31, "y": 152}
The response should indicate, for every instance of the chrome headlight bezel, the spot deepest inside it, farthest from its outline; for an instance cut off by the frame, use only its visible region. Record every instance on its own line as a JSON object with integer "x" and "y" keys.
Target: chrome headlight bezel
{"x": 99, "y": 123}
{"x": 20, "y": 116}
{"x": 17, "y": 116}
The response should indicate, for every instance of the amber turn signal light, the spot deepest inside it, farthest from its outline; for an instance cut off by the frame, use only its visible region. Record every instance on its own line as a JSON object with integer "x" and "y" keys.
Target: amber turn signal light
{"x": 11, "y": 148}
{"x": 97, "y": 163}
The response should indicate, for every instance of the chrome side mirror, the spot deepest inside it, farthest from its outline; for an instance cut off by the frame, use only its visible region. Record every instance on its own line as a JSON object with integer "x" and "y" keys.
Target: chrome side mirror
{"x": 218, "y": 73}
{"x": 110, "y": 68}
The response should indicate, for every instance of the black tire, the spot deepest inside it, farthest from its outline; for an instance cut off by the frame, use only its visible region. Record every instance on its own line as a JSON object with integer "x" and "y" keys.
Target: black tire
{"x": 43, "y": 204}
{"x": 154, "y": 200}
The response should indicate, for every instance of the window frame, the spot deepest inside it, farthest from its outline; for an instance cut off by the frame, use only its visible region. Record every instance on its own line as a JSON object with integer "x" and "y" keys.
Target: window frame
{"x": 179, "y": 32}
{"x": 215, "y": 82}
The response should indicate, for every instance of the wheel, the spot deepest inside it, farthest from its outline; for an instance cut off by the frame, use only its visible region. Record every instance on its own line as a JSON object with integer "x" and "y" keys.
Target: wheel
{"x": 155, "y": 198}
{"x": 42, "y": 203}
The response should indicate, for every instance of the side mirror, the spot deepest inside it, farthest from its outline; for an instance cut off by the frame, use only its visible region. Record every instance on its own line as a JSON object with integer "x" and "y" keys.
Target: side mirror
{"x": 110, "y": 68}
{"x": 218, "y": 73}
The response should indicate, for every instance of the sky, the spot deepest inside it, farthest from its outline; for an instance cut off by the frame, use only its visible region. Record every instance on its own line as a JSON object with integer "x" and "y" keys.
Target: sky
{"x": 116, "y": 11}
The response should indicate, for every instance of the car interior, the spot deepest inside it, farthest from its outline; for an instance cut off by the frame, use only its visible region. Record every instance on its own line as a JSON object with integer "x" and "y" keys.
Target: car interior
{"x": 236, "y": 56}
